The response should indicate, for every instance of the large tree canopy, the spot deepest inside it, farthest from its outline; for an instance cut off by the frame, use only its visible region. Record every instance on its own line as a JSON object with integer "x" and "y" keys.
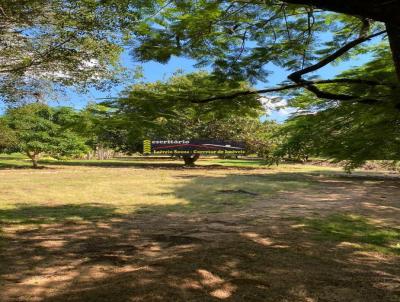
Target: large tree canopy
{"x": 345, "y": 131}
{"x": 383, "y": 11}
{"x": 46, "y": 45}
{"x": 164, "y": 109}
{"x": 239, "y": 39}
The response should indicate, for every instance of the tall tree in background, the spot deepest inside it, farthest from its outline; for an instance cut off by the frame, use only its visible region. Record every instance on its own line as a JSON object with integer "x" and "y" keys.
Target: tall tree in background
{"x": 261, "y": 137}
{"x": 93, "y": 123}
{"x": 165, "y": 110}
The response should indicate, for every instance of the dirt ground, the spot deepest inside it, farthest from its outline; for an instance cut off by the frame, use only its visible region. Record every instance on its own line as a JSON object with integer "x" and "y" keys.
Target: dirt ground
{"x": 261, "y": 252}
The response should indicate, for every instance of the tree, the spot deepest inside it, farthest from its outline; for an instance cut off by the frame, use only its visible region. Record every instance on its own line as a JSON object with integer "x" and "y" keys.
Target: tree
{"x": 346, "y": 131}
{"x": 101, "y": 136}
{"x": 368, "y": 9}
{"x": 47, "y": 45}
{"x": 260, "y": 137}
{"x": 239, "y": 39}
{"x": 7, "y": 135}
{"x": 41, "y": 129}
{"x": 164, "y": 110}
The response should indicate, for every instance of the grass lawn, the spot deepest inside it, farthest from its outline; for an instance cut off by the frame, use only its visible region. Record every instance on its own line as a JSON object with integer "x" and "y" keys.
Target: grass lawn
{"x": 151, "y": 230}
{"x": 16, "y": 161}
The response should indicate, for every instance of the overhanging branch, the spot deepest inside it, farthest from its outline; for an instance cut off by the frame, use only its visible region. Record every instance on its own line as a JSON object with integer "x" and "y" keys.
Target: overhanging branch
{"x": 293, "y": 86}
{"x": 384, "y": 11}
{"x": 311, "y": 85}
{"x": 297, "y": 76}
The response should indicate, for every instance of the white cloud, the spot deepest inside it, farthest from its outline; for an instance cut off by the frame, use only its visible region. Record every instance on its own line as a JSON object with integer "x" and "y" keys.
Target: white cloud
{"x": 277, "y": 106}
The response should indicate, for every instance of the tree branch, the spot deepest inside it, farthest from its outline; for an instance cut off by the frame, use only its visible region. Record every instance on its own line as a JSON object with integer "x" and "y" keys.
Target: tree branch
{"x": 297, "y": 75}
{"x": 384, "y": 11}
{"x": 40, "y": 59}
{"x": 294, "y": 86}
{"x": 311, "y": 85}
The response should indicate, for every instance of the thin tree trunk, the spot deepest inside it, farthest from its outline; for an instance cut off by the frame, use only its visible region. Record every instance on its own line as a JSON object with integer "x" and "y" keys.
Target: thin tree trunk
{"x": 35, "y": 163}
{"x": 393, "y": 32}
{"x": 34, "y": 158}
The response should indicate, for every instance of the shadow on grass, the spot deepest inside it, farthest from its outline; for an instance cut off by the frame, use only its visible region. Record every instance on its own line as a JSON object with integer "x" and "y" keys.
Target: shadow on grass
{"x": 152, "y": 164}
{"x": 244, "y": 162}
{"x": 358, "y": 230}
{"x": 164, "y": 257}
{"x": 210, "y": 194}
{"x": 113, "y": 164}
{"x": 46, "y": 164}
{"x": 7, "y": 162}
{"x": 28, "y": 214}
{"x": 12, "y": 157}
{"x": 233, "y": 192}
{"x": 11, "y": 164}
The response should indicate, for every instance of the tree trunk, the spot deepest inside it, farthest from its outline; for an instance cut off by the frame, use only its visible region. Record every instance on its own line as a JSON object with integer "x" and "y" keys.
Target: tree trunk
{"x": 34, "y": 158}
{"x": 35, "y": 163}
{"x": 393, "y": 32}
{"x": 190, "y": 159}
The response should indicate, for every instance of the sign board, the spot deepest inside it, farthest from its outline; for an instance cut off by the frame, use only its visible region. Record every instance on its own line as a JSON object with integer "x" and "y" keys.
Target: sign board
{"x": 195, "y": 146}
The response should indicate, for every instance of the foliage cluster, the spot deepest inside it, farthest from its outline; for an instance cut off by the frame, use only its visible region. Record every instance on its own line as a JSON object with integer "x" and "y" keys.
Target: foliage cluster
{"x": 38, "y": 129}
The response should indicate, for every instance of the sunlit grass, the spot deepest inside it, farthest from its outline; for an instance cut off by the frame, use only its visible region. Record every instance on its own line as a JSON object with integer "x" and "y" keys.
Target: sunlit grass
{"x": 18, "y": 160}
{"x": 78, "y": 190}
{"x": 129, "y": 189}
